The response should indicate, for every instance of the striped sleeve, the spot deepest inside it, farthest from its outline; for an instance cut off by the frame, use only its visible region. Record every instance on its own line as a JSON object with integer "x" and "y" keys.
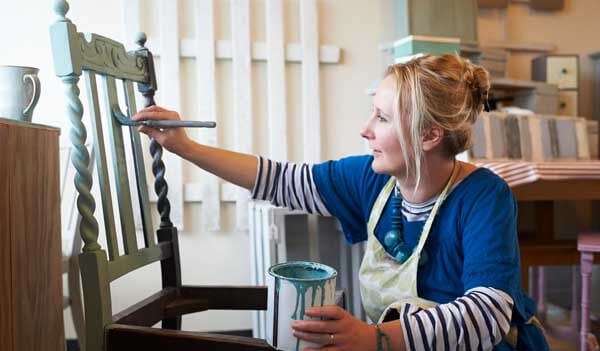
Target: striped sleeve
{"x": 476, "y": 321}
{"x": 288, "y": 185}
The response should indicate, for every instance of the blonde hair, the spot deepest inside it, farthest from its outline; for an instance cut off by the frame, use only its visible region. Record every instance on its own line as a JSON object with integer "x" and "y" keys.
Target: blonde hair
{"x": 445, "y": 91}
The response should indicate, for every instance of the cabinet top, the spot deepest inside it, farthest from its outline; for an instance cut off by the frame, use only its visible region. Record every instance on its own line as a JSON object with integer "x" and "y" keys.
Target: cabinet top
{"x": 12, "y": 122}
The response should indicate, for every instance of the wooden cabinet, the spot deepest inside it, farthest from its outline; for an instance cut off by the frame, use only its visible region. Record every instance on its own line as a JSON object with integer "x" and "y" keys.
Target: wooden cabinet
{"x": 31, "y": 316}
{"x": 563, "y": 71}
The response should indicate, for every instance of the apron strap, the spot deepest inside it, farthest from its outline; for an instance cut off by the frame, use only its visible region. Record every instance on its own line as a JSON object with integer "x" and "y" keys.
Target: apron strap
{"x": 379, "y": 204}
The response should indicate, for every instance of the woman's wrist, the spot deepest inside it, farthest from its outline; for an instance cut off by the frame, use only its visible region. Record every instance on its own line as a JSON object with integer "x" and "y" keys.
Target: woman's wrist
{"x": 390, "y": 336}
{"x": 382, "y": 340}
{"x": 187, "y": 149}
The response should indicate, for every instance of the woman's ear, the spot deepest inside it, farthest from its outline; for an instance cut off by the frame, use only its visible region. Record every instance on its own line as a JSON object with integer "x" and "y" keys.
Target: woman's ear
{"x": 432, "y": 137}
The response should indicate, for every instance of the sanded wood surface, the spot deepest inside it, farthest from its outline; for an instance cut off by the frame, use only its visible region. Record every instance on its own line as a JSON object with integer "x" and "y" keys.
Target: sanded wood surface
{"x": 31, "y": 228}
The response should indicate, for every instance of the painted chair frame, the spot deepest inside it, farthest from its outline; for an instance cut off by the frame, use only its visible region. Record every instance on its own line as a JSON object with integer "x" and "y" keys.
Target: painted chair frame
{"x": 93, "y": 55}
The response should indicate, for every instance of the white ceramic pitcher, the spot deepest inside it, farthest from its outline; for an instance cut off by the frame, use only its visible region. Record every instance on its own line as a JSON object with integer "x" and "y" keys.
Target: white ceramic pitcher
{"x": 293, "y": 288}
{"x": 19, "y": 92}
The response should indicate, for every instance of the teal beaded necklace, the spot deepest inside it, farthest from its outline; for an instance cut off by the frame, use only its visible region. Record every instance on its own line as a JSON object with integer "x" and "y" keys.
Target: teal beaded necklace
{"x": 394, "y": 238}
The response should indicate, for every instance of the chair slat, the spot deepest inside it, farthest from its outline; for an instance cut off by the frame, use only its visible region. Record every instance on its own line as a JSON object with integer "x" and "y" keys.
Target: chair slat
{"x": 120, "y": 168}
{"x": 100, "y": 152}
{"x": 140, "y": 258}
{"x": 140, "y": 169}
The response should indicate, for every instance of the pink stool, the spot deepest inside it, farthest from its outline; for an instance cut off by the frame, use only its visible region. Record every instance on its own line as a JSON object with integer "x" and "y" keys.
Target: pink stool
{"x": 587, "y": 245}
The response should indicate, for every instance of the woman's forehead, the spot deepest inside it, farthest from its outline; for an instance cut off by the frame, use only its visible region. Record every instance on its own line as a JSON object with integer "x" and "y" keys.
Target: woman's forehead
{"x": 384, "y": 94}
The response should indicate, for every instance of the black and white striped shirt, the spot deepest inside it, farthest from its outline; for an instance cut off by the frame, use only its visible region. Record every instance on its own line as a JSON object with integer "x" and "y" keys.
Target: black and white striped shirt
{"x": 476, "y": 321}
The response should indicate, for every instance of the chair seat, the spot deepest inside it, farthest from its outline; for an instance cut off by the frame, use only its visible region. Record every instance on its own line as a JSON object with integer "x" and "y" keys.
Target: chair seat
{"x": 588, "y": 242}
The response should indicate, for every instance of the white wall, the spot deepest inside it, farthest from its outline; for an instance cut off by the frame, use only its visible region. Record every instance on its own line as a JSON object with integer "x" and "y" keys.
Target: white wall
{"x": 357, "y": 26}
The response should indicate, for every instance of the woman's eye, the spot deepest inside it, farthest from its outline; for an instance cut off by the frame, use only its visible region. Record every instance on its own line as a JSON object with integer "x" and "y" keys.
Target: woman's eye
{"x": 381, "y": 118}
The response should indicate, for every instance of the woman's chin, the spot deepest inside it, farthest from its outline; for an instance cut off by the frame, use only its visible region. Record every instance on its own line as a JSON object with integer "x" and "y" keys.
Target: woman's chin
{"x": 378, "y": 168}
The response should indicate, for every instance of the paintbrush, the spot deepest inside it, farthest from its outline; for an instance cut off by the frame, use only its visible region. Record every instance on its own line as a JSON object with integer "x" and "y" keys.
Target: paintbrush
{"x": 152, "y": 123}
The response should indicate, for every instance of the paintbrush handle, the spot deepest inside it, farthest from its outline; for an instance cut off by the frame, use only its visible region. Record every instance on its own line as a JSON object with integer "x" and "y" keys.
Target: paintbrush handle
{"x": 126, "y": 121}
{"x": 177, "y": 124}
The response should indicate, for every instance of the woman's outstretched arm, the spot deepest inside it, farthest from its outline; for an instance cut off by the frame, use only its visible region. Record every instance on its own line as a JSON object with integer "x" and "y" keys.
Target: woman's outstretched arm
{"x": 235, "y": 167}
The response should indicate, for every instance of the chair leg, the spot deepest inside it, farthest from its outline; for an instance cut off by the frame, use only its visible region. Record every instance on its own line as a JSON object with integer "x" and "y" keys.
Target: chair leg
{"x": 172, "y": 323}
{"x": 587, "y": 259}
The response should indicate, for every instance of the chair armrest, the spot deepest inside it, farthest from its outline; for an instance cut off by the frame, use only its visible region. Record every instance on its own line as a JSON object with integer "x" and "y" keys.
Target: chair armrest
{"x": 120, "y": 337}
{"x": 202, "y": 298}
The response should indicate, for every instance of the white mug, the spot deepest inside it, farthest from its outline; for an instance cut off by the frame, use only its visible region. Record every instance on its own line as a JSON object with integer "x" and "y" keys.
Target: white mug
{"x": 293, "y": 288}
{"x": 19, "y": 92}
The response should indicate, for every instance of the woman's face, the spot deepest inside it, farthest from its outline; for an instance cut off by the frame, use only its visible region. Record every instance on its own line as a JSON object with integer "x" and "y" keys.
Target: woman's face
{"x": 380, "y": 132}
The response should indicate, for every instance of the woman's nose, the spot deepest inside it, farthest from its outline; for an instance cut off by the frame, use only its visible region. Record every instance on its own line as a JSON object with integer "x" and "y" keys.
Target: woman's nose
{"x": 366, "y": 131}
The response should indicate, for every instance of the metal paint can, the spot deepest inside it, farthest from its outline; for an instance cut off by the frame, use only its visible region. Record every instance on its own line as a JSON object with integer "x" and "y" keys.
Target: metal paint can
{"x": 293, "y": 288}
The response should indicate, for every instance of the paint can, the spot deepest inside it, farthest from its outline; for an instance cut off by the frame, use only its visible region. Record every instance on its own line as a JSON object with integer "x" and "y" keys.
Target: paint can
{"x": 293, "y": 288}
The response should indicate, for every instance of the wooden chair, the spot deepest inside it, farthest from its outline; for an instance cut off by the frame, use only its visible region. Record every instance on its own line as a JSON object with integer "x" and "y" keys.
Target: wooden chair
{"x": 96, "y": 56}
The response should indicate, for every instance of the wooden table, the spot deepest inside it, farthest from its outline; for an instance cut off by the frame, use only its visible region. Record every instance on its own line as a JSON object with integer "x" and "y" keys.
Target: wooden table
{"x": 31, "y": 316}
{"x": 541, "y": 248}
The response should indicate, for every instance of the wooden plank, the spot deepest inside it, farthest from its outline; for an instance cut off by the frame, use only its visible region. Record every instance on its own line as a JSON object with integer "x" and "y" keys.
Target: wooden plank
{"x": 293, "y": 51}
{"x": 252, "y": 208}
{"x": 170, "y": 93}
{"x": 228, "y": 297}
{"x": 6, "y": 313}
{"x": 140, "y": 258}
{"x": 276, "y": 96}
{"x": 121, "y": 337}
{"x": 546, "y": 190}
{"x": 140, "y": 169}
{"x": 102, "y": 165}
{"x": 120, "y": 169}
{"x": 242, "y": 95}
{"x": 311, "y": 104}
{"x": 36, "y": 284}
{"x": 521, "y": 46}
{"x": 207, "y": 104}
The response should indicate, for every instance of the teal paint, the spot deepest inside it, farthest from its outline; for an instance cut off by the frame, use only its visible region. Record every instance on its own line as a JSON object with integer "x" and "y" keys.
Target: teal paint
{"x": 303, "y": 276}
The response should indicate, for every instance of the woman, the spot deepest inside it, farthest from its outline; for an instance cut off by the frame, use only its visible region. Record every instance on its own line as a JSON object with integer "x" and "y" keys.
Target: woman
{"x": 441, "y": 269}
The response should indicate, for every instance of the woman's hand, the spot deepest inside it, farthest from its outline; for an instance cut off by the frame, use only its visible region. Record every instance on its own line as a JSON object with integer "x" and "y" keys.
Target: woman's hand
{"x": 340, "y": 330}
{"x": 175, "y": 140}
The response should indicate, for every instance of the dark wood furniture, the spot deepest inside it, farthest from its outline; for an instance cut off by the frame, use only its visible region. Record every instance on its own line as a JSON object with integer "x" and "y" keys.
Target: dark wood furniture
{"x": 31, "y": 316}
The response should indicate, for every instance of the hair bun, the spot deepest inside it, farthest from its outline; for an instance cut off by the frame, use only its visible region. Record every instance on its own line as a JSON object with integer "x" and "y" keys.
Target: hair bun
{"x": 477, "y": 80}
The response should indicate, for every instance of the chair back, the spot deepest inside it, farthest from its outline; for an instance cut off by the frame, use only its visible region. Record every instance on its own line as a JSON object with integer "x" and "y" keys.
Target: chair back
{"x": 105, "y": 62}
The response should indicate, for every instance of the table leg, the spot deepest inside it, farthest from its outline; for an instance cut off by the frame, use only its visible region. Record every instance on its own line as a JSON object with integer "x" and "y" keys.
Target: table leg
{"x": 541, "y": 291}
{"x": 587, "y": 259}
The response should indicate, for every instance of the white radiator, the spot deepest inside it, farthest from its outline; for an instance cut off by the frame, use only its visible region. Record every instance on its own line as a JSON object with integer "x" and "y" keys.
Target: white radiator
{"x": 281, "y": 235}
